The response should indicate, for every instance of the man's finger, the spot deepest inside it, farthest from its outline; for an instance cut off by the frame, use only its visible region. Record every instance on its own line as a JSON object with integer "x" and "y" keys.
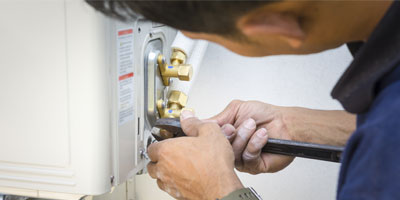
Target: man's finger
{"x": 160, "y": 184}
{"x": 152, "y": 170}
{"x": 153, "y": 150}
{"x": 274, "y": 162}
{"x": 243, "y": 135}
{"x": 227, "y": 116}
{"x": 170, "y": 190}
{"x": 229, "y": 131}
{"x": 255, "y": 145}
{"x": 189, "y": 123}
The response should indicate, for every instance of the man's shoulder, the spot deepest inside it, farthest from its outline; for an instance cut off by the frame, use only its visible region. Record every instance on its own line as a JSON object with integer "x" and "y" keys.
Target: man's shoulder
{"x": 381, "y": 123}
{"x": 385, "y": 109}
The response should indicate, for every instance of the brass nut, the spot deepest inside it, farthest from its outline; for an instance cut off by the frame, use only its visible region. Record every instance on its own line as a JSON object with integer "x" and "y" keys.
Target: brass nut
{"x": 178, "y": 56}
{"x": 171, "y": 113}
{"x": 177, "y": 97}
{"x": 185, "y": 72}
{"x": 176, "y": 69}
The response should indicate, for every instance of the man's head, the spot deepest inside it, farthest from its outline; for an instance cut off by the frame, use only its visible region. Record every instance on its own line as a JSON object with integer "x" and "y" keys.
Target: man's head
{"x": 259, "y": 28}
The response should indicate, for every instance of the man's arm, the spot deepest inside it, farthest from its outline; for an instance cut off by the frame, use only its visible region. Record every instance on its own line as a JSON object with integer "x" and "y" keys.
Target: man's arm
{"x": 247, "y": 118}
{"x": 331, "y": 127}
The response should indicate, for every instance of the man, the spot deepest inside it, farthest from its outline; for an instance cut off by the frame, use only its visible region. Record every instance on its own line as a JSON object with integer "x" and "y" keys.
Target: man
{"x": 201, "y": 166}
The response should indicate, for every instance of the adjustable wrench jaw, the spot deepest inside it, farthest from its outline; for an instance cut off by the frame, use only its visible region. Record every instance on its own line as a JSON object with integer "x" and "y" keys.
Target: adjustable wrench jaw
{"x": 167, "y": 128}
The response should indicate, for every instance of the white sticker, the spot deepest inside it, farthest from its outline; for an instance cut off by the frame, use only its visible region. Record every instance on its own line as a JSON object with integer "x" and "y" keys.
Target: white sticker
{"x": 125, "y": 75}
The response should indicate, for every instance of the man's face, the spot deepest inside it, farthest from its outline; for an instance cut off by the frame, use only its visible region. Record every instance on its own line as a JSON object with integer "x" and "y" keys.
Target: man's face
{"x": 239, "y": 47}
{"x": 276, "y": 34}
{"x": 264, "y": 32}
{"x": 300, "y": 27}
{"x": 251, "y": 48}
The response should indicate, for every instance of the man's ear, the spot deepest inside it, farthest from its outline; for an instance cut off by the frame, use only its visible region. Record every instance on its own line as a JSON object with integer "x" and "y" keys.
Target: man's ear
{"x": 269, "y": 24}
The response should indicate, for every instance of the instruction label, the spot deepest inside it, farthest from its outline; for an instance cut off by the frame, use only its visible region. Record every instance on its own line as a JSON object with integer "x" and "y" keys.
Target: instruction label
{"x": 125, "y": 75}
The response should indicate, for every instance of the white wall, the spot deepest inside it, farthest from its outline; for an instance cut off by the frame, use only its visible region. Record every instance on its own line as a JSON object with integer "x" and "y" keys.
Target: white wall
{"x": 281, "y": 80}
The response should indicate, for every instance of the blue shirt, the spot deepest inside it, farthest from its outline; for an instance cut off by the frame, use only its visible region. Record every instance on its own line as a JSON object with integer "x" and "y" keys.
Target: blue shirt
{"x": 371, "y": 162}
{"x": 370, "y": 87}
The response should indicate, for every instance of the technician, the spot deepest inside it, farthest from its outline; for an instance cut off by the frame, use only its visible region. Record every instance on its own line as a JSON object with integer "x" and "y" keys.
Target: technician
{"x": 202, "y": 166}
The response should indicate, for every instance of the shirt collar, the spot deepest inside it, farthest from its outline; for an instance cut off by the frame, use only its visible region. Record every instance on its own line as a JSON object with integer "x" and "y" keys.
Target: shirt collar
{"x": 357, "y": 88}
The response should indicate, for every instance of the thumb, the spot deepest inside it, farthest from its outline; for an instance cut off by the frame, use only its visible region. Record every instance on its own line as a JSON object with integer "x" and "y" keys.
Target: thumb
{"x": 228, "y": 115}
{"x": 190, "y": 123}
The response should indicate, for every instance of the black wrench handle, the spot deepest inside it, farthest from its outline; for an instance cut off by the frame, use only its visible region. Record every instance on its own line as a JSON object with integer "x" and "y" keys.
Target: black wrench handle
{"x": 303, "y": 149}
{"x": 275, "y": 146}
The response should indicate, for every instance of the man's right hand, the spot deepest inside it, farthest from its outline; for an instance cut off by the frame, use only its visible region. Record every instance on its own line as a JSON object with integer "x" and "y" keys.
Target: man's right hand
{"x": 253, "y": 122}
{"x": 248, "y": 124}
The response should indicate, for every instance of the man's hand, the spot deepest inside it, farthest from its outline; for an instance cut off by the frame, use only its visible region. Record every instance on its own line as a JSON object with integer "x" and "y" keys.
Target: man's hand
{"x": 254, "y": 122}
{"x": 200, "y": 166}
{"x": 248, "y": 124}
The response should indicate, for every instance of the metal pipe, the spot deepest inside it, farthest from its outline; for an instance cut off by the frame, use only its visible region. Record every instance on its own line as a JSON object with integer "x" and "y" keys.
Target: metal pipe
{"x": 195, "y": 60}
{"x": 183, "y": 43}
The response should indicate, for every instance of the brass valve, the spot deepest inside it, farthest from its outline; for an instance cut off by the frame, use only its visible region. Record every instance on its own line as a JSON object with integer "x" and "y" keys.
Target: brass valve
{"x": 178, "y": 57}
{"x": 177, "y": 68}
{"x": 176, "y": 102}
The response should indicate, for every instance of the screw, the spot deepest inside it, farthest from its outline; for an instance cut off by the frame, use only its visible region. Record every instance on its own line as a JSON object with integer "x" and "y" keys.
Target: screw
{"x": 143, "y": 154}
{"x": 112, "y": 180}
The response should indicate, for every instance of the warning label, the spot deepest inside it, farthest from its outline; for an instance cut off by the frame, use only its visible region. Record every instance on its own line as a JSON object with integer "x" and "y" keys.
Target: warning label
{"x": 125, "y": 75}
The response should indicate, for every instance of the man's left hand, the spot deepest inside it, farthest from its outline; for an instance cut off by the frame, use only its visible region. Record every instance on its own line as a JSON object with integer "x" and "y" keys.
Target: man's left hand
{"x": 200, "y": 166}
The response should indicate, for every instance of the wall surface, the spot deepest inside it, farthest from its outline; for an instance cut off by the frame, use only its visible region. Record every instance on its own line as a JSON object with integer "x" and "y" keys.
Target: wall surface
{"x": 281, "y": 80}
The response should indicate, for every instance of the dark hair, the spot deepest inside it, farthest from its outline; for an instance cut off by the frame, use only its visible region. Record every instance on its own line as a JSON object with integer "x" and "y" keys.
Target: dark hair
{"x": 218, "y": 17}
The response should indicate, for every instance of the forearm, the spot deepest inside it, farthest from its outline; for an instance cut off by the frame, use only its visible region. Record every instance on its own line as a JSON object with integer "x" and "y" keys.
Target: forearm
{"x": 332, "y": 127}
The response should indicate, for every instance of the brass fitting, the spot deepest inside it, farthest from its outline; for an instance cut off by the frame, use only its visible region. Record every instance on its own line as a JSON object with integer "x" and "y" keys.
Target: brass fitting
{"x": 176, "y": 102}
{"x": 176, "y": 69}
{"x": 178, "y": 57}
{"x": 177, "y": 99}
{"x": 170, "y": 113}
